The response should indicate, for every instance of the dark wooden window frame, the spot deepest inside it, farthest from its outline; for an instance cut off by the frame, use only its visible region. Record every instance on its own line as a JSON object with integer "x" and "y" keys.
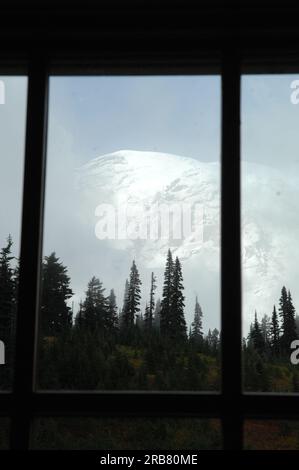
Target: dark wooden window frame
{"x": 196, "y": 41}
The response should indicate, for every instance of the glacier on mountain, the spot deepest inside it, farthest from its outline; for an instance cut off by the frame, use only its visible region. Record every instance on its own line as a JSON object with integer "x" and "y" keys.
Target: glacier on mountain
{"x": 269, "y": 233}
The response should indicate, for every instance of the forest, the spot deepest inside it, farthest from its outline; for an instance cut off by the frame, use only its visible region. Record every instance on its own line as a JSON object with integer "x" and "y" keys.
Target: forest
{"x": 105, "y": 346}
{"x": 112, "y": 345}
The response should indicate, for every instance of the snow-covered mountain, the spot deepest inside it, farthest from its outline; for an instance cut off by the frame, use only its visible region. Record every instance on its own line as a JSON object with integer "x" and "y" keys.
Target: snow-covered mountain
{"x": 149, "y": 179}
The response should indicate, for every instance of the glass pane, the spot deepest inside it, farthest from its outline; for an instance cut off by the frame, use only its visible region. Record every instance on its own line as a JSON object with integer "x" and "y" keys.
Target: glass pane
{"x": 271, "y": 435}
{"x": 13, "y": 93}
{"x": 4, "y": 433}
{"x": 126, "y": 433}
{"x": 130, "y": 294}
{"x": 270, "y": 230}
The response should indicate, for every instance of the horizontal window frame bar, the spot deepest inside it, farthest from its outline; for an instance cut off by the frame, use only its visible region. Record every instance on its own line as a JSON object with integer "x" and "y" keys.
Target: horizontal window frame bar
{"x": 252, "y": 406}
{"x": 79, "y": 65}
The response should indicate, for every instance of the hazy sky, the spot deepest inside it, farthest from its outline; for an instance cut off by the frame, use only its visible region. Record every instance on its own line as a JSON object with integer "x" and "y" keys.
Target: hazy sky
{"x": 177, "y": 115}
{"x": 94, "y": 116}
{"x": 270, "y": 121}
{"x": 89, "y": 117}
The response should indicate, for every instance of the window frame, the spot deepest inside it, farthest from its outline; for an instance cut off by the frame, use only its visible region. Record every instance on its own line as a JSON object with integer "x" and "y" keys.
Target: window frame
{"x": 224, "y": 52}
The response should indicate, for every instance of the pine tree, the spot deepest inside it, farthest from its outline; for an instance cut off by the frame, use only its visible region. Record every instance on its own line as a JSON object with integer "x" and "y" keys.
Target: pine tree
{"x": 215, "y": 341}
{"x": 256, "y": 336}
{"x": 178, "y": 327}
{"x": 283, "y": 312}
{"x": 165, "y": 313}
{"x": 95, "y": 307}
{"x": 287, "y": 314}
{"x": 7, "y": 292}
{"x": 55, "y": 314}
{"x": 140, "y": 321}
{"x": 132, "y": 305}
{"x": 208, "y": 341}
{"x": 149, "y": 311}
{"x": 249, "y": 336}
{"x": 157, "y": 315}
{"x": 274, "y": 332}
{"x": 112, "y": 316}
{"x": 79, "y": 321}
{"x": 125, "y": 304}
{"x": 172, "y": 318}
{"x": 196, "y": 334}
{"x": 291, "y": 332}
{"x": 146, "y": 315}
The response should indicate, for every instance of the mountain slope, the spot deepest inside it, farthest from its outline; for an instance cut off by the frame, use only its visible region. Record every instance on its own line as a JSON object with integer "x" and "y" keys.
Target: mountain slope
{"x": 150, "y": 179}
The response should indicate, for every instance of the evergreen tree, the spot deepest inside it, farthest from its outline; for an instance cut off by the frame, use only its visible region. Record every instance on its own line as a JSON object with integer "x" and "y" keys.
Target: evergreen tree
{"x": 274, "y": 332}
{"x": 283, "y": 312}
{"x": 291, "y": 323}
{"x": 79, "y": 320}
{"x": 196, "y": 333}
{"x": 95, "y": 307}
{"x": 146, "y": 315}
{"x": 112, "y": 316}
{"x": 208, "y": 341}
{"x": 157, "y": 315}
{"x": 55, "y": 314}
{"x": 178, "y": 327}
{"x": 149, "y": 311}
{"x": 215, "y": 341}
{"x": 287, "y": 314}
{"x": 125, "y": 304}
{"x": 249, "y": 337}
{"x": 165, "y": 313}
{"x": 7, "y": 292}
{"x": 172, "y": 318}
{"x": 132, "y": 304}
{"x": 256, "y": 336}
{"x": 139, "y": 321}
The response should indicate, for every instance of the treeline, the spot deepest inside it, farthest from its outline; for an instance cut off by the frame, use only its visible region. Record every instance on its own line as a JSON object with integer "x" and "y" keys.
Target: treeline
{"x": 106, "y": 346}
{"x": 267, "y": 349}
{"x": 274, "y": 335}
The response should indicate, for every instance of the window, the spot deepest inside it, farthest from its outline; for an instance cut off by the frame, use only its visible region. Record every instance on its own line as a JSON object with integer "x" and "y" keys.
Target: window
{"x": 13, "y": 93}
{"x": 81, "y": 44}
{"x": 271, "y": 435}
{"x": 126, "y": 433}
{"x": 130, "y": 275}
{"x": 270, "y": 232}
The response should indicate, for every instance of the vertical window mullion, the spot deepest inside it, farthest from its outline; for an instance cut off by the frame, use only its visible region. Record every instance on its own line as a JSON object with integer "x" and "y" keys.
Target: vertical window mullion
{"x": 231, "y": 253}
{"x": 31, "y": 241}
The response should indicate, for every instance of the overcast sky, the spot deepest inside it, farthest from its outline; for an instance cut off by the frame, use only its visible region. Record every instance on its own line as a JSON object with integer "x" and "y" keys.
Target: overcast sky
{"x": 89, "y": 117}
